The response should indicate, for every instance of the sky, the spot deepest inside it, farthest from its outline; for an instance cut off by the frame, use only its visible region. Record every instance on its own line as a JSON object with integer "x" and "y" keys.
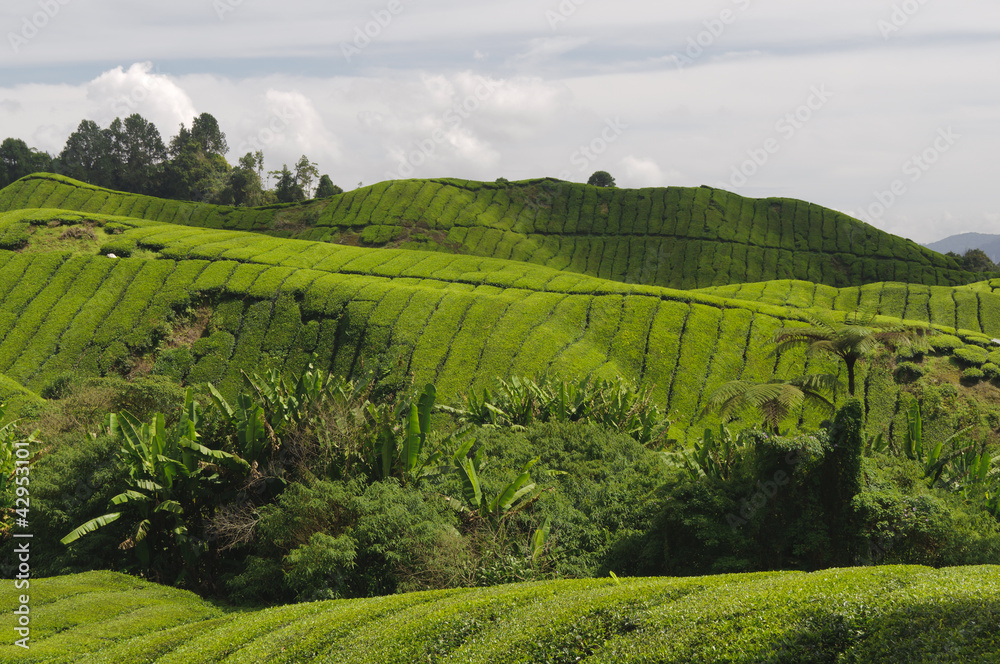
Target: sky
{"x": 888, "y": 110}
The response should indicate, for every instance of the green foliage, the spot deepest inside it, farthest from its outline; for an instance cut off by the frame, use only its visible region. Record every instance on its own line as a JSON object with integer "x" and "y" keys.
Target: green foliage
{"x": 520, "y": 402}
{"x": 971, "y": 356}
{"x": 601, "y": 179}
{"x": 843, "y": 479}
{"x": 972, "y": 375}
{"x": 595, "y": 487}
{"x": 539, "y": 208}
{"x": 172, "y": 480}
{"x": 894, "y": 615}
{"x": 15, "y": 455}
{"x": 351, "y": 539}
{"x": 716, "y": 455}
{"x": 909, "y": 371}
{"x": 775, "y": 401}
{"x": 854, "y": 340}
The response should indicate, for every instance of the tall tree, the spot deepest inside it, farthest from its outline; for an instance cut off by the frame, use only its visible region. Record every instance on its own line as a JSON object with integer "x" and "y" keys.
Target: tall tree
{"x": 87, "y": 155}
{"x": 206, "y": 132}
{"x": 197, "y": 170}
{"x": 287, "y": 188}
{"x": 245, "y": 180}
{"x": 138, "y": 153}
{"x": 601, "y": 179}
{"x": 327, "y": 188}
{"x": 306, "y": 172}
{"x": 18, "y": 160}
{"x": 853, "y": 340}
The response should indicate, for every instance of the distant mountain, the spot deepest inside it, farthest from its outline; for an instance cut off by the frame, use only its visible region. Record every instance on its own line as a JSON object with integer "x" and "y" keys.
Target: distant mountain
{"x": 965, "y": 241}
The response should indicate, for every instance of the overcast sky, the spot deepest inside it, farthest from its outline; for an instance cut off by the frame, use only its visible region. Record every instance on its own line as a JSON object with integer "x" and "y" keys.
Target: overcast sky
{"x": 886, "y": 109}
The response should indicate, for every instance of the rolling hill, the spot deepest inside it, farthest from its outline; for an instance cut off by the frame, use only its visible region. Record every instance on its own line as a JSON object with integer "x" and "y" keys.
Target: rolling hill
{"x": 886, "y": 614}
{"x": 200, "y": 304}
{"x": 672, "y": 237}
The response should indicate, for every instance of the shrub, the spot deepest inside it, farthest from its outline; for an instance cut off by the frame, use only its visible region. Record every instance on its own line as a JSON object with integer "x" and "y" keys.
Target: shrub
{"x": 72, "y": 484}
{"x": 599, "y": 492}
{"x": 346, "y": 539}
{"x": 991, "y": 370}
{"x": 972, "y": 375}
{"x": 971, "y": 355}
{"x": 908, "y": 372}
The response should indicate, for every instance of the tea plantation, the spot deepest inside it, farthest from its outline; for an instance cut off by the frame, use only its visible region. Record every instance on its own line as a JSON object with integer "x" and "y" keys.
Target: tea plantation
{"x": 458, "y": 284}
{"x": 890, "y": 614}
{"x": 452, "y": 320}
{"x": 674, "y": 237}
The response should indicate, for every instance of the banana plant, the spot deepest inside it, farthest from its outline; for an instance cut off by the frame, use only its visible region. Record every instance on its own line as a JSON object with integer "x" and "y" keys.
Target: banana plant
{"x": 715, "y": 456}
{"x": 933, "y": 459}
{"x": 413, "y": 463}
{"x": 516, "y": 495}
{"x": 173, "y": 480}
{"x": 538, "y": 541}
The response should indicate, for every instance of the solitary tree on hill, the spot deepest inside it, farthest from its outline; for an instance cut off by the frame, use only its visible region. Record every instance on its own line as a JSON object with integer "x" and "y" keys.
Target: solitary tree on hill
{"x": 853, "y": 340}
{"x": 601, "y": 179}
{"x": 327, "y": 188}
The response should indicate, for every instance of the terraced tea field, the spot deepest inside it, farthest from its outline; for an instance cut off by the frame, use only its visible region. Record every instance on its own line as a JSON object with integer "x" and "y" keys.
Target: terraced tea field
{"x": 886, "y": 614}
{"x": 455, "y": 320}
{"x": 673, "y": 237}
{"x": 972, "y": 307}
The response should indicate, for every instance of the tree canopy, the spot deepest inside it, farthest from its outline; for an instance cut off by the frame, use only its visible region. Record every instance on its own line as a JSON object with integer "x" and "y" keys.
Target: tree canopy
{"x": 601, "y": 179}
{"x": 853, "y": 340}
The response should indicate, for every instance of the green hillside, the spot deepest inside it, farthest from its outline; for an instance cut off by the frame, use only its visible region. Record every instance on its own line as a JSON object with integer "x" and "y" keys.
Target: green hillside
{"x": 254, "y": 302}
{"x": 888, "y": 614}
{"x": 200, "y": 304}
{"x": 972, "y": 307}
{"x": 673, "y": 237}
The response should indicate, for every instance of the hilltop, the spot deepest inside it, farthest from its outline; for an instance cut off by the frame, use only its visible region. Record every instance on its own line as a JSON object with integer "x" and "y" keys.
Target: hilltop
{"x": 673, "y": 237}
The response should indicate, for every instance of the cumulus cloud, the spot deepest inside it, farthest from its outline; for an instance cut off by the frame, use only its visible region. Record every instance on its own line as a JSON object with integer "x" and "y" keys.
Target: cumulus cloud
{"x": 413, "y": 100}
{"x": 140, "y": 89}
{"x": 645, "y": 173}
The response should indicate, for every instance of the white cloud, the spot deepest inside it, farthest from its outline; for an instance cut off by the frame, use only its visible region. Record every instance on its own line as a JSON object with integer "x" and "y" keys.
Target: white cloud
{"x": 156, "y": 97}
{"x": 551, "y": 93}
{"x": 645, "y": 173}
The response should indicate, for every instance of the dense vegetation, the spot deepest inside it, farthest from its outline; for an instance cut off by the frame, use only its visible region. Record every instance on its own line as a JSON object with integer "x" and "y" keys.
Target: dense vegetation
{"x": 270, "y": 420}
{"x": 130, "y": 155}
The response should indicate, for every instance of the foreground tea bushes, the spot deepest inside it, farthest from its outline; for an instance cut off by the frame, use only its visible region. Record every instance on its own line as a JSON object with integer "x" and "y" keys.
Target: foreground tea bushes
{"x": 889, "y": 614}
{"x": 676, "y": 237}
